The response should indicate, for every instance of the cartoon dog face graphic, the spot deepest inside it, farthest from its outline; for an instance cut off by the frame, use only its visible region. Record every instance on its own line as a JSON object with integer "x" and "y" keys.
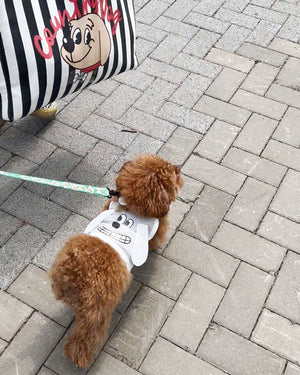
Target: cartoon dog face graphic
{"x": 88, "y": 45}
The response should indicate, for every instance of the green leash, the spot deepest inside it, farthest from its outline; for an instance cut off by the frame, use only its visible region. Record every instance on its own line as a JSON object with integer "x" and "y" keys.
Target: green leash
{"x": 104, "y": 192}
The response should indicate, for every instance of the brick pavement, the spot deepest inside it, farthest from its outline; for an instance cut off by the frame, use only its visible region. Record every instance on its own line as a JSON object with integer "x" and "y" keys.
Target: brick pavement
{"x": 217, "y": 92}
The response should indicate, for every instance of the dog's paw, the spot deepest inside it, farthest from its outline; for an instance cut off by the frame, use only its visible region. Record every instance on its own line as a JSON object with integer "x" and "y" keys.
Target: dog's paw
{"x": 79, "y": 352}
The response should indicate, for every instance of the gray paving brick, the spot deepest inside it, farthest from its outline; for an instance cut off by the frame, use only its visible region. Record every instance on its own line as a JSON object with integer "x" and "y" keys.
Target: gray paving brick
{"x": 292, "y": 369}
{"x": 191, "y": 315}
{"x": 259, "y": 104}
{"x": 241, "y": 306}
{"x": 287, "y": 200}
{"x": 202, "y": 259}
{"x": 208, "y": 7}
{"x": 254, "y": 166}
{"x": 26, "y": 145}
{"x": 158, "y": 273}
{"x": 237, "y": 18}
{"x": 35, "y": 210}
{"x": 151, "y": 11}
{"x": 150, "y": 33}
{"x": 290, "y": 29}
{"x": 191, "y": 189}
{"x": 191, "y": 89}
{"x": 290, "y": 6}
{"x": 201, "y": 43}
{"x": 176, "y": 27}
{"x": 284, "y": 95}
{"x": 280, "y": 230}
{"x": 263, "y": 34}
{"x": 8, "y": 226}
{"x": 265, "y": 14}
{"x": 140, "y": 327}
{"x": 289, "y": 74}
{"x": 213, "y": 174}
{"x": 225, "y": 85}
{"x": 174, "y": 361}
{"x": 196, "y": 65}
{"x": 285, "y": 46}
{"x": 144, "y": 48}
{"x": 135, "y": 79}
{"x": 236, "y": 5}
{"x": 262, "y": 54}
{"x": 284, "y": 295}
{"x": 179, "y": 146}
{"x": 260, "y": 78}
{"x": 282, "y": 154}
{"x": 177, "y": 212}
{"x": 107, "y": 365}
{"x": 186, "y": 117}
{"x": 13, "y": 314}
{"x": 236, "y": 355}
{"x": 45, "y": 371}
{"x": 18, "y": 252}
{"x": 29, "y": 349}
{"x": 251, "y": 204}
{"x": 108, "y": 131}
{"x": 180, "y": 9}
{"x": 208, "y": 23}
{"x": 248, "y": 139}
{"x": 130, "y": 294}
{"x": 33, "y": 288}
{"x": 222, "y": 111}
{"x": 217, "y": 141}
{"x": 169, "y": 48}
{"x": 278, "y": 334}
{"x": 288, "y": 130}
{"x": 233, "y": 38}
{"x": 249, "y": 247}
{"x": 4, "y": 156}
{"x": 104, "y": 88}
{"x": 206, "y": 214}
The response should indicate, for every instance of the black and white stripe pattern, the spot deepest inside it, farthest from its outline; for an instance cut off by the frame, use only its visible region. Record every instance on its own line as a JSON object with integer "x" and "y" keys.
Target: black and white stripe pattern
{"x": 27, "y": 79}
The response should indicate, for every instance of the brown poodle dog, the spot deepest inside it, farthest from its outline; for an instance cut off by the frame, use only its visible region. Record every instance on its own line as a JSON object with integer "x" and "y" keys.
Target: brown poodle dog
{"x": 92, "y": 271}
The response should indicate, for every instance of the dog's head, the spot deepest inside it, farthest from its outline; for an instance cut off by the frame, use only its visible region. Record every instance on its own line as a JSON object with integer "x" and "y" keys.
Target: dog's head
{"x": 148, "y": 184}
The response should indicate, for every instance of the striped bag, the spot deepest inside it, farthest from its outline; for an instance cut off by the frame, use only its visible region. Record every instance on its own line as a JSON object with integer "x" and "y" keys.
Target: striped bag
{"x": 52, "y": 48}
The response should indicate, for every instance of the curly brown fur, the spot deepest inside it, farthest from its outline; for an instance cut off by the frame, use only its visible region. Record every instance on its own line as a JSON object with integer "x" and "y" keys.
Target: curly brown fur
{"x": 89, "y": 275}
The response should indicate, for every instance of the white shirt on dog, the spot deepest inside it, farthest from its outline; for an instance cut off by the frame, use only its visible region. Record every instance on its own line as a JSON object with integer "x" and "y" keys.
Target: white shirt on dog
{"x": 126, "y": 232}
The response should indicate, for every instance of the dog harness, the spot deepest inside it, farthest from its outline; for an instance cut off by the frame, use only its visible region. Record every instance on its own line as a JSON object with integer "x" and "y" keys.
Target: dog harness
{"x": 126, "y": 232}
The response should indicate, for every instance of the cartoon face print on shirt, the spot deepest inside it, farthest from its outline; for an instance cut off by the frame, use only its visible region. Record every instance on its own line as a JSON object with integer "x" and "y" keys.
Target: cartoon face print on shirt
{"x": 119, "y": 229}
{"x": 88, "y": 45}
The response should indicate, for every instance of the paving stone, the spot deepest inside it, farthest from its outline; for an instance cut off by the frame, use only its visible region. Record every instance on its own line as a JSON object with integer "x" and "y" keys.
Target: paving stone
{"x": 57, "y": 166}
{"x": 251, "y": 204}
{"x": 3, "y": 345}
{"x": 180, "y": 9}
{"x": 263, "y": 34}
{"x": 213, "y": 174}
{"x": 260, "y": 78}
{"x": 196, "y": 65}
{"x": 236, "y": 5}
{"x": 264, "y": 55}
{"x": 169, "y": 48}
{"x": 33, "y": 288}
{"x": 13, "y": 314}
{"x": 174, "y": 361}
{"x": 151, "y": 11}
{"x": 140, "y": 326}
{"x": 284, "y": 295}
{"x": 177, "y": 212}
{"x": 186, "y": 117}
{"x": 202, "y": 259}
{"x": 35, "y": 210}
{"x": 176, "y": 27}
{"x": 208, "y": 7}
{"x": 150, "y": 33}
{"x": 280, "y": 230}
{"x": 225, "y": 85}
{"x": 292, "y": 369}
{"x": 265, "y": 14}
{"x": 288, "y": 130}
{"x": 289, "y": 6}
{"x": 201, "y": 43}
{"x": 241, "y": 306}
{"x": 206, "y": 214}
{"x": 217, "y": 141}
{"x": 248, "y": 139}
{"x": 4, "y": 156}
{"x": 252, "y": 165}
{"x": 287, "y": 200}
{"x": 157, "y": 273}
{"x": 18, "y": 252}
{"x": 249, "y": 247}
{"x": 191, "y": 315}
{"x": 282, "y": 154}
{"x": 285, "y": 46}
{"x": 284, "y": 95}
{"x": 45, "y": 371}
{"x": 130, "y": 294}
{"x": 80, "y": 108}
{"x": 94, "y": 166}
{"x": 8, "y": 226}
{"x": 104, "y": 88}
{"x": 107, "y": 365}
{"x": 31, "y": 346}
{"x": 208, "y": 23}
{"x": 179, "y": 146}
{"x": 233, "y": 38}
{"x": 191, "y": 89}
{"x": 135, "y": 79}
{"x": 259, "y": 104}
{"x": 191, "y": 189}
{"x": 278, "y": 334}
{"x": 25, "y": 145}
{"x": 230, "y": 60}
{"x": 290, "y": 30}
{"x": 289, "y": 74}
{"x": 237, "y": 18}
{"x": 236, "y": 355}
{"x": 163, "y": 71}
{"x": 68, "y": 138}
{"x": 144, "y": 48}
